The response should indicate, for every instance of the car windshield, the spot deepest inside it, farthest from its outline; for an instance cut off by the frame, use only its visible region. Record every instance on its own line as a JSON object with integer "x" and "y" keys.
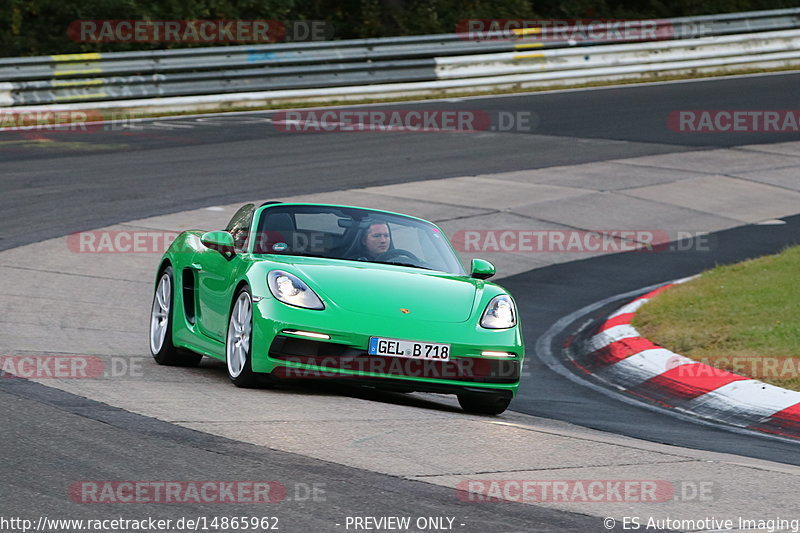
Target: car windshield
{"x": 354, "y": 234}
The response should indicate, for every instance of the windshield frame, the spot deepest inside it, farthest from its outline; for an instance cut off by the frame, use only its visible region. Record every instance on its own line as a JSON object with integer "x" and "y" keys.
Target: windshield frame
{"x": 447, "y": 247}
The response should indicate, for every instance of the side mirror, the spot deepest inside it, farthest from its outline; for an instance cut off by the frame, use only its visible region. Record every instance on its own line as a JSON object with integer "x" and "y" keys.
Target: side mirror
{"x": 221, "y": 241}
{"x": 481, "y": 269}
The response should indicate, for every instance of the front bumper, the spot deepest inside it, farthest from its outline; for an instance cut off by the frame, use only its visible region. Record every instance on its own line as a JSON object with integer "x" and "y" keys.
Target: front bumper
{"x": 344, "y": 356}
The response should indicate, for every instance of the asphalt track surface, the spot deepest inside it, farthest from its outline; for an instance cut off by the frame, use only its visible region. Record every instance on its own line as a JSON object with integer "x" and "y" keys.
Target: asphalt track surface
{"x": 50, "y": 437}
{"x": 84, "y": 181}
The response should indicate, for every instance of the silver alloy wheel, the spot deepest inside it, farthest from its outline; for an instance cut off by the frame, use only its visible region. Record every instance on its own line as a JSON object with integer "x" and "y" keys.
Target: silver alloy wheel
{"x": 238, "y": 342}
{"x": 159, "y": 316}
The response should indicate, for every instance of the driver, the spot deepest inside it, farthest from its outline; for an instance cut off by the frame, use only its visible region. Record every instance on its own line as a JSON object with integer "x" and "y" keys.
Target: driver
{"x": 376, "y": 240}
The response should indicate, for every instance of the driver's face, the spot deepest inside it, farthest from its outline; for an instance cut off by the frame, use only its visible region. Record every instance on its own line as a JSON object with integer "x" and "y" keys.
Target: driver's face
{"x": 377, "y": 240}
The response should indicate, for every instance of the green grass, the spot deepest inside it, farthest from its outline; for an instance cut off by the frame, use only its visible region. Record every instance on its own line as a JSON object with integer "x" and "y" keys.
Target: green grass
{"x": 744, "y": 311}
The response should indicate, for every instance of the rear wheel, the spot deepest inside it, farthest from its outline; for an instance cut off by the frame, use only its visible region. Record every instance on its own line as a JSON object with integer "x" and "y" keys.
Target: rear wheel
{"x": 484, "y": 404}
{"x": 237, "y": 342}
{"x": 164, "y": 352}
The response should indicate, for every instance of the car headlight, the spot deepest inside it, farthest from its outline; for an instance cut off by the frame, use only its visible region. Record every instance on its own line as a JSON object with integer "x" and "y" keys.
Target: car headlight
{"x": 499, "y": 314}
{"x": 289, "y": 289}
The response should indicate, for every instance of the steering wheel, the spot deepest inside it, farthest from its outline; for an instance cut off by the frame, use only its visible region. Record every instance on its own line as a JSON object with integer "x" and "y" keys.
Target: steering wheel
{"x": 397, "y": 252}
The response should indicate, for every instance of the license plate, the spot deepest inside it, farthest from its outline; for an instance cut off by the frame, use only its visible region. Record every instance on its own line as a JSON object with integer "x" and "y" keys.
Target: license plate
{"x": 408, "y": 349}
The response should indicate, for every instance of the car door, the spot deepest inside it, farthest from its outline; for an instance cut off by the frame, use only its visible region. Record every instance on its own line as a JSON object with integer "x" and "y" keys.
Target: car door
{"x": 217, "y": 272}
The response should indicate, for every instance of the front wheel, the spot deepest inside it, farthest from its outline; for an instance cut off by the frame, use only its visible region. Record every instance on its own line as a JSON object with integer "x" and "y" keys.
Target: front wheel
{"x": 237, "y": 343}
{"x": 484, "y": 404}
{"x": 161, "y": 315}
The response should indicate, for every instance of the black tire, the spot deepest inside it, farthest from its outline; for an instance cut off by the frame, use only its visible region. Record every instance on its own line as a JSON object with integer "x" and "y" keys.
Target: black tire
{"x": 484, "y": 404}
{"x": 166, "y": 353}
{"x": 240, "y": 372}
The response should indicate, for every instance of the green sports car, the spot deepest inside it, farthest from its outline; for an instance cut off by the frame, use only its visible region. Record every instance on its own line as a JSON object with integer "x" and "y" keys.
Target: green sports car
{"x": 299, "y": 290}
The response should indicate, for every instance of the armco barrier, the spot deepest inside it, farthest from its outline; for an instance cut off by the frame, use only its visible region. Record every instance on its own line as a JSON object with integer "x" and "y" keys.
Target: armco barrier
{"x": 396, "y": 66}
{"x": 717, "y": 49}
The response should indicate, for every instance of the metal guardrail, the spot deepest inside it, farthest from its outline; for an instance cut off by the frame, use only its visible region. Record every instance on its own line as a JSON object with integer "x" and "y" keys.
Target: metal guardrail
{"x": 748, "y": 47}
{"x": 399, "y": 60}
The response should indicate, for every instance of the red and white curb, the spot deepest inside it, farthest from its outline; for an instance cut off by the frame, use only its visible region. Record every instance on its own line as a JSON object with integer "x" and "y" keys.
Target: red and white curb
{"x": 620, "y": 356}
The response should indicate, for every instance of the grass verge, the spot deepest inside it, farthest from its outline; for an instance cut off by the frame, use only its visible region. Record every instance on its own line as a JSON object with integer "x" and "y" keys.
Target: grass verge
{"x": 744, "y": 318}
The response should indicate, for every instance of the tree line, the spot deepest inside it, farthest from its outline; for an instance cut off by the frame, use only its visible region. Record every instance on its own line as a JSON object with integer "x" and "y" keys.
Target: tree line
{"x": 43, "y": 27}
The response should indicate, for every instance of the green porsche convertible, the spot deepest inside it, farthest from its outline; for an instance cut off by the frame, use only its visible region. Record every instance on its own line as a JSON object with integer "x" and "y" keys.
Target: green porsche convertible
{"x": 299, "y": 290}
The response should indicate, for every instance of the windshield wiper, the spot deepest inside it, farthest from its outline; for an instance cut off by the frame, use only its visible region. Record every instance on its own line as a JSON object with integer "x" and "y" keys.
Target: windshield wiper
{"x": 405, "y": 264}
{"x": 298, "y": 254}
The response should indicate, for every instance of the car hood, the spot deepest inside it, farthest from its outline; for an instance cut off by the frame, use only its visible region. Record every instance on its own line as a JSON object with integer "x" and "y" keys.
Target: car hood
{"x": 384, "y": 290}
